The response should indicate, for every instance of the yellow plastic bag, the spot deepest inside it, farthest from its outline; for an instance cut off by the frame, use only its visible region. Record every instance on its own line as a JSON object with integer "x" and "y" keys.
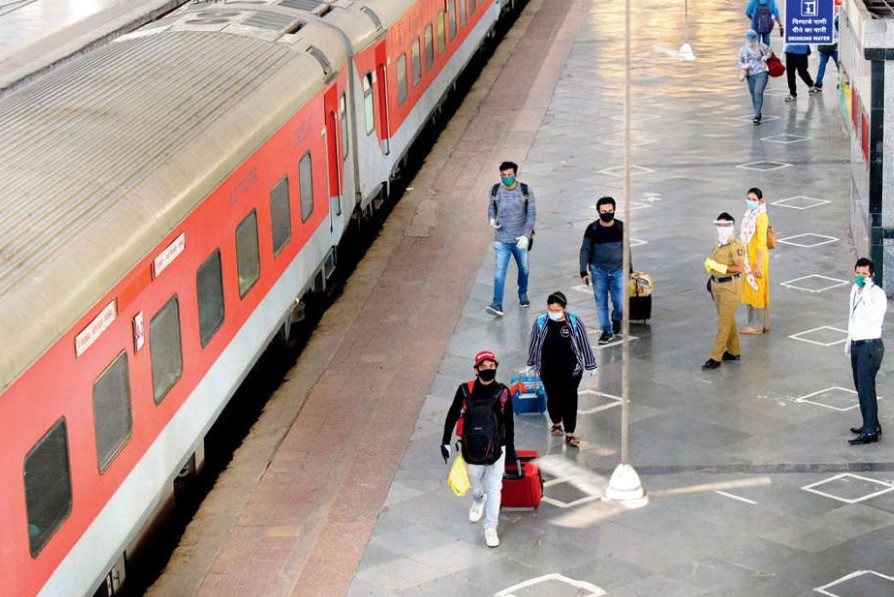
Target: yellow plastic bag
{"x": 458, "y": 478}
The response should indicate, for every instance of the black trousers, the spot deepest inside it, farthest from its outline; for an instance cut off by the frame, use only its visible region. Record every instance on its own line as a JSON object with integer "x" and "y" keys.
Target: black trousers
{"x": 561, "y": 396}
{"x": 866, "y": 358}
{"x": 796, "y": 62}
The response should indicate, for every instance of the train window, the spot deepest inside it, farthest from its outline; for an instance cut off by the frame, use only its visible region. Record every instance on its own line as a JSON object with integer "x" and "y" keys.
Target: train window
{"x": 451, "y": 18}
{"x": 111, "y": 411}
{"x": 209, "y": 289}
{"x": 402, "y": 78}
{"x": 472, "y": 7}
{"x": 166, "y": 353}
{"x": 305, "y": 181}
{"x": 343, "y": 116}
{"x": 280, "y": 215}
{"x": 417, "y": 62}
{"x": 442, "y": 33}
{"x": 47, "y": 486}
{"x": 248, "y": 257}
{"x": 462, "y": 12}
{"x": 369, "y": 112}
{"x": 429, "y": 47}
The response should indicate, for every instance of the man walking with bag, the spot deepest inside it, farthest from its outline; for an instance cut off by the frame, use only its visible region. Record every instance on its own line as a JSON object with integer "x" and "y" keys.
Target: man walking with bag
{"x": 484, "y": 408}
{"x": 512, "y": 212}
{"x": 602, "y": 258}
{"x": 864, "y": 346}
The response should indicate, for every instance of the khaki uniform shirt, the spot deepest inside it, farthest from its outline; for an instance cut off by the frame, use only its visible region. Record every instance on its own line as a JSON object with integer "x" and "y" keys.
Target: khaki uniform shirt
{"x": 728, "y": 254}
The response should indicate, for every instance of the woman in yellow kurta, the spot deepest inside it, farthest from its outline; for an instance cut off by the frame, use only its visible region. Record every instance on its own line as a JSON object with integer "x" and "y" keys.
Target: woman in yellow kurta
{"x": 756, "y": 293}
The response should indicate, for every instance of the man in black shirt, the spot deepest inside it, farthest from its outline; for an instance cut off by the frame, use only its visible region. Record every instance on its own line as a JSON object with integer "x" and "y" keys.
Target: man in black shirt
{"x": 602, "y": 257}
{"x": 486, "y": 478}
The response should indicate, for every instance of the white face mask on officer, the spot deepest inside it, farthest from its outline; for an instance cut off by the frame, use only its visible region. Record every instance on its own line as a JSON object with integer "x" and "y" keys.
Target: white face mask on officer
{"x": 725, "y": 233}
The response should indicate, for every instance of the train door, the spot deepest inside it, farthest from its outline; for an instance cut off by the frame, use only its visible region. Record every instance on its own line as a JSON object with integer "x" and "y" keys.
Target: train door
{"x": 381, "y": 90}
{"x": 333, "y": 159}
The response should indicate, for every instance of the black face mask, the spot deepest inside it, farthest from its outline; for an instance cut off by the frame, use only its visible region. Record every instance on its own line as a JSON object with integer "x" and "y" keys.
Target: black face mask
{"x": 487, "y": 374}
{"x": 607, "y": 217}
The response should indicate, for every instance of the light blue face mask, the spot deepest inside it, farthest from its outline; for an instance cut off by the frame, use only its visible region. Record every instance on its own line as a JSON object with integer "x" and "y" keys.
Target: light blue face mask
{"x": 751, "y": 204}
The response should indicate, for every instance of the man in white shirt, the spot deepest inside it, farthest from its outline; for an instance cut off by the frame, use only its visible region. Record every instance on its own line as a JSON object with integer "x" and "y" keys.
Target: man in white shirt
{"x": 868, "y": 304}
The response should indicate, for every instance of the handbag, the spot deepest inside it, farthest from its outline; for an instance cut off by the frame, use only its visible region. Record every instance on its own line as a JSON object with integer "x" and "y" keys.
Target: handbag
{"x": 458, "y": 477}
{"x": 775, "y": 66}
{"x": 771, "y": 238}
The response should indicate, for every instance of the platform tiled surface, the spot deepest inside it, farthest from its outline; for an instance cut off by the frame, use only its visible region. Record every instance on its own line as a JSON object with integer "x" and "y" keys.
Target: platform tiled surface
{"x": 695, "y": 156}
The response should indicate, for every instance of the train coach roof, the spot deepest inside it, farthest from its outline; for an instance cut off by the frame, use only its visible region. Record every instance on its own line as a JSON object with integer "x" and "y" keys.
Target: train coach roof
{"x": 101, "y": 159}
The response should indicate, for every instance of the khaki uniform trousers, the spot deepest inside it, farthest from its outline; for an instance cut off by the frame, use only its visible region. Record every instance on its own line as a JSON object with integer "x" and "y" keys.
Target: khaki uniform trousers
{"x": 727, "y": 296}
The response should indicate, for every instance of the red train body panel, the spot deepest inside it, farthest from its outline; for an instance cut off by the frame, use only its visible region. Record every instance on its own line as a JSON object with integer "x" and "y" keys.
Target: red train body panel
{"x": 59, "y": 385}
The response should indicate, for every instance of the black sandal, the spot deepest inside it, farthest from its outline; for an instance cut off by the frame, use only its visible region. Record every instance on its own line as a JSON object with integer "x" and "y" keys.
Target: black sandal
{"x": 572, "y": 441}
{"x": 556, "y": 430}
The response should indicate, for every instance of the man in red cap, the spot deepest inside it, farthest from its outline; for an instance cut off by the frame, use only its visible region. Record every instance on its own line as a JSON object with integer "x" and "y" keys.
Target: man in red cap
{"x": 485, "y": 407}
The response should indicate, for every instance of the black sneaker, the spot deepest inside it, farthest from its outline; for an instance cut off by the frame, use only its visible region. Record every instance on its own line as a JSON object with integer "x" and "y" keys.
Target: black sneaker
{"x": 710, "y": 364}
{"x": 606, "y": 337}
{"x": 616, "y": 327}
{"x": 494, "y": 309}
{"x": 728, "y": 356}
{"x": 524, "y": 303}
{"x": 755, "y": 120}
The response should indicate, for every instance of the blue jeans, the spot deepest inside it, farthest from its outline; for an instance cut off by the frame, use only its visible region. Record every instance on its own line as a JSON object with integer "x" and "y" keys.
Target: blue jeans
{"x": 503, "y": 252}
{"x": 607, "y": 281}
{"x": 765, "y": 37}
{"x": 823, "y": 60}
{"x": 756, "y": 85}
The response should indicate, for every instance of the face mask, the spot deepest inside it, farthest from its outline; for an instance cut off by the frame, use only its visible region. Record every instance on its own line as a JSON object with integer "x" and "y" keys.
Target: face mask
{"x": 725, "y": 234}
{"x": 750, "y": 204}
{"x": 508, "y": 180}
{"x": 607, "y": 217}
{"x": 487, "y": 374}
{"x": 556, "y": 316}
{"x": 860, "y": 281}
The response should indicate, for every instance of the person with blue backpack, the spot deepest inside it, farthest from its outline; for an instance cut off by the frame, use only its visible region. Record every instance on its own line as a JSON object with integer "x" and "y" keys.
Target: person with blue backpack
{"x": 559, "y": 351}
{"x": 763, "y": 14}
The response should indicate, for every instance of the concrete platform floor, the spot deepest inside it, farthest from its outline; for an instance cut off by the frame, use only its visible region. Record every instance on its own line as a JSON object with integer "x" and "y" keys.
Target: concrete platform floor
{"x": 341, "y": 490}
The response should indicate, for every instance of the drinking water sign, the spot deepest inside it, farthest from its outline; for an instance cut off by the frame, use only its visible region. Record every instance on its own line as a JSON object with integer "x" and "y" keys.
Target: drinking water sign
{"x": 809, "y": 21}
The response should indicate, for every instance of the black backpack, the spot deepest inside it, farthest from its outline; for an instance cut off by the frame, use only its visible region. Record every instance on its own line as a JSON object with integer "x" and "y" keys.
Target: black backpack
{"x": 763, "y": 18}
{"x": 481, "y": 429}
{"x": 524, "y": 190}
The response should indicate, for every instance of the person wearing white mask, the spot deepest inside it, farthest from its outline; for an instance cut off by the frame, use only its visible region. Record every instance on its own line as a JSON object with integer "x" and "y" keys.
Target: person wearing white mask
{"x": 756, "y": 289}
{"x": 753, "y": 68}
{"x": 725, "y": 265}
{"x": 559, "y": 351}
{"x": 864, "y": 346}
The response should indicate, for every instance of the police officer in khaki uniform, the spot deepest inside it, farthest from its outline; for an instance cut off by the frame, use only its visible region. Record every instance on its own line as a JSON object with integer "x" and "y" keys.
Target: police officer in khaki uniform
{"x": 726, "y": 265}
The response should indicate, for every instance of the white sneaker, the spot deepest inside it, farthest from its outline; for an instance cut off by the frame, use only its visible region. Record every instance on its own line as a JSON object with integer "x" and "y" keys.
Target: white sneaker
{"x": 477, "y": 510}
{"x": 491, "y": 538}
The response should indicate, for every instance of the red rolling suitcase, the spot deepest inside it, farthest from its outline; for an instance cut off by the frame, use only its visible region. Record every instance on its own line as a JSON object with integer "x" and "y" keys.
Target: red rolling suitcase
{"x": 522, "y": 489}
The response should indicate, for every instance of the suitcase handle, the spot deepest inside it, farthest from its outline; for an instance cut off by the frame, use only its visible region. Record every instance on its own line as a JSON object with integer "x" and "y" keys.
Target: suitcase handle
{"x": 518, "y": 474}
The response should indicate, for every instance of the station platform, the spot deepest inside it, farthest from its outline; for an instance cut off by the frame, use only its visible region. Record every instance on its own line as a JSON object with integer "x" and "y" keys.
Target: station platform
{"x": 340, "y": 488}
{"x": 36, "y": 35}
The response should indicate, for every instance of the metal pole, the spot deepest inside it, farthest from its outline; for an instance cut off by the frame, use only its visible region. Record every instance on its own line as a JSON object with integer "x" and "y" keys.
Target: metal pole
{"x": 624, "y": 486}
{"x": 625, "y": 320}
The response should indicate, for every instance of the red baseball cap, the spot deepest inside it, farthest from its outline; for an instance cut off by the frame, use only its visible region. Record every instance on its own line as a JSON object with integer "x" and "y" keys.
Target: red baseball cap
{"x": 485, "y": 355}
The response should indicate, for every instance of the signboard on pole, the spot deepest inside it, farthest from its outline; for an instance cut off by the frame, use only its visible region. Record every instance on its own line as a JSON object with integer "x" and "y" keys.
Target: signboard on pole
{"x": 809, "y": 21}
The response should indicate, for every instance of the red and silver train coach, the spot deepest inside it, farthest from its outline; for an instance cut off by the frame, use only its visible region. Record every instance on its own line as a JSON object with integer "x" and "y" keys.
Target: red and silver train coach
{"x": 166, "y": 201}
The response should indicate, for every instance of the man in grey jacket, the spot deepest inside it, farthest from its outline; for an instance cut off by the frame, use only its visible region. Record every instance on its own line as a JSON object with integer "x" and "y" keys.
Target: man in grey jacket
{"x": 512, "y": 212}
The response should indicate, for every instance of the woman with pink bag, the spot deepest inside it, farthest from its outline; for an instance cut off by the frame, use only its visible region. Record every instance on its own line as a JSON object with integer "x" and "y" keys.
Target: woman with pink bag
{"x": 753, "y": 68}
